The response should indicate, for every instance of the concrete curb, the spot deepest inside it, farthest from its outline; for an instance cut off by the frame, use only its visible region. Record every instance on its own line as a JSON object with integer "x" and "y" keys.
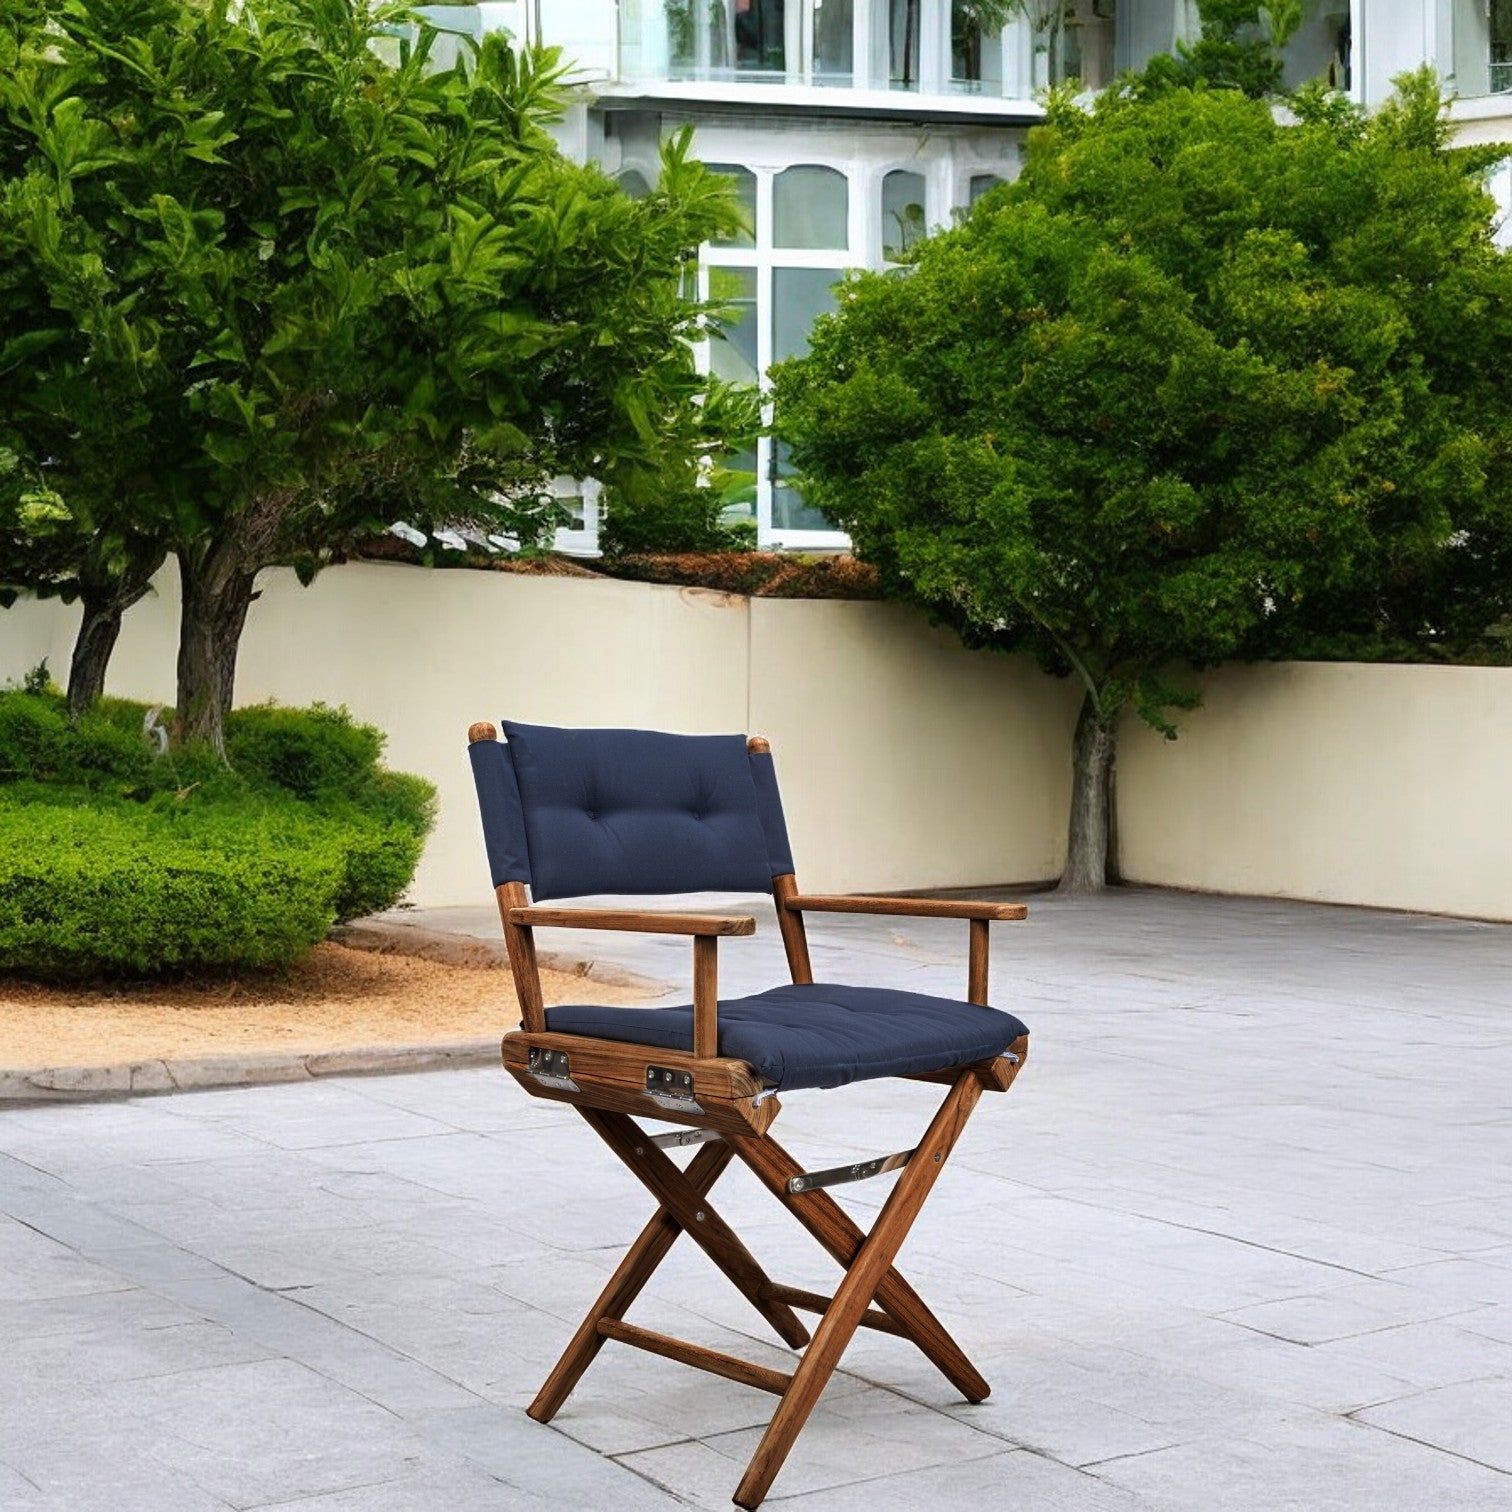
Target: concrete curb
{"x": 62, "y": 1084}
{"x": 468, "y": 950}
{"x": 55, "y": 1084}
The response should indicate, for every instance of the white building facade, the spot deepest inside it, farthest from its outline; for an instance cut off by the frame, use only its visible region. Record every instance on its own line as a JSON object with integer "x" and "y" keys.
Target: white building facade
{"x": 852, "y": 126}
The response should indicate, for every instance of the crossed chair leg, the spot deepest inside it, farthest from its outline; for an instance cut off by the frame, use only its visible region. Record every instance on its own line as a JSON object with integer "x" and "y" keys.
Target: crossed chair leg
{"x": 872, "y": 1293}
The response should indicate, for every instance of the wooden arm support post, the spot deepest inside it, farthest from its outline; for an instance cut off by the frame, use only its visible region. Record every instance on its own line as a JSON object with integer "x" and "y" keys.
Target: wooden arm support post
{"x": 705, "y": 929}
{"x": 978, "y": 916}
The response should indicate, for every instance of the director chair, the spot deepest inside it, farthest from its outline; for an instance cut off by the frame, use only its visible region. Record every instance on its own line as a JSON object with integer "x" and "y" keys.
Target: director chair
{"x": 570, "y": 813}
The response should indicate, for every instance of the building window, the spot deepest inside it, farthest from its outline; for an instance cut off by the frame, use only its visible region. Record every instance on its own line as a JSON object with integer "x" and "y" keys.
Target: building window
{"x": 833, "y": 29}
{"x": 773, "y": 281}
{"x": 903, "y": 40}
{"x": 980, "y": 184}
{"x": 1500, "y": 63}
{"x": 1479, "y": 53}
{"x": 976, "y": 56}
{"x": 810, "y": 208}
{"x": 903, "y": 217}
{"x": 760, "y": 36}
{"x": 736, "y": 358}
{"x": 799, "y": 297}
{"x": 745, "y": 196}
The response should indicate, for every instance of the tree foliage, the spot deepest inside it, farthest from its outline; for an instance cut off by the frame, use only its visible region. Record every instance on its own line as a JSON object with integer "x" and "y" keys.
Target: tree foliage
{"x": 268, "y": 281}
{"x": 1237, "y": 47}
{"x": 1199, "y": 385}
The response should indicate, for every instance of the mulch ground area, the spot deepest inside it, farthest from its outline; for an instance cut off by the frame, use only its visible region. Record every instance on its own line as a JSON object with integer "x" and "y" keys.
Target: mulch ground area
{"x": 335, "y": 999}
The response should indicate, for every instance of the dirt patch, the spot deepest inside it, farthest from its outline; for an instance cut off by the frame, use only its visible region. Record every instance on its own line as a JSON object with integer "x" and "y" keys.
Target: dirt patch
{"x": 337, "y": 998}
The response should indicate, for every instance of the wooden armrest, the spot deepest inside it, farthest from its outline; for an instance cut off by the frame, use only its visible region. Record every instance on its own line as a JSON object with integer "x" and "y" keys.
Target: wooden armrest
{"x": 635, "y": 921}
{"x": 923, "y": 908}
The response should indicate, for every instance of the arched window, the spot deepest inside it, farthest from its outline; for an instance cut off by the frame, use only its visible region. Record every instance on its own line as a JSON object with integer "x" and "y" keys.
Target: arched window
{"x": 745, "y": 195}
{"x": 810, "y": 208}
{"x": 903, "y": 219}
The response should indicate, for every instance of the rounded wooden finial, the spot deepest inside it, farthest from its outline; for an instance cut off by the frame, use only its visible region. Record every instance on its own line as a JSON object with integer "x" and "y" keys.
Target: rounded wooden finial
{"x": 481, "y": 731}
{"x": 758, "y": 745}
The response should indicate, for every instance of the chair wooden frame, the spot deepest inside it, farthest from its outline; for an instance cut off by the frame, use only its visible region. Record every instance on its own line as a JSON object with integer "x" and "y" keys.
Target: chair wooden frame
{"x": 722, "y": 1101}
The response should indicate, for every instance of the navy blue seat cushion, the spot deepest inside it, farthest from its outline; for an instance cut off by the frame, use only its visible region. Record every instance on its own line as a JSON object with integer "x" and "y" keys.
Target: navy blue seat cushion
{"x": 816, "y": 1035}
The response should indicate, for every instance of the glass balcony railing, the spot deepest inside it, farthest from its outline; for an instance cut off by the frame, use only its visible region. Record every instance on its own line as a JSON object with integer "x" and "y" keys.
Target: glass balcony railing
{"x": 925, "y": 46}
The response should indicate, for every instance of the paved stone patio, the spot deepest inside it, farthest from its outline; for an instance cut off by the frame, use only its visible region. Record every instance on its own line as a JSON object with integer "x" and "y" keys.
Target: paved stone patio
{"x": 1241, "y": 1237}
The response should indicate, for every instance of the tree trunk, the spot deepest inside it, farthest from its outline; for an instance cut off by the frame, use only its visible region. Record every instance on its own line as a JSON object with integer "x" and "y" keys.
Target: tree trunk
{"x": 1091, "y": 788}
{"x": 217, "y": 592}
{"x": 91, "y": 653}
{"x": 106, "y": 597}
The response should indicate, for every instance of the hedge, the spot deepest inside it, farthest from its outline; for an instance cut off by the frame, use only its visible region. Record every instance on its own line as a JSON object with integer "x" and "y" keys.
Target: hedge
{"x": 118, "y": 863}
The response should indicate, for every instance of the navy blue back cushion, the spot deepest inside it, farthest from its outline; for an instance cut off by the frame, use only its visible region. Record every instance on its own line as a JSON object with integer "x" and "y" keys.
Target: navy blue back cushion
{"x": 639, "y": 811}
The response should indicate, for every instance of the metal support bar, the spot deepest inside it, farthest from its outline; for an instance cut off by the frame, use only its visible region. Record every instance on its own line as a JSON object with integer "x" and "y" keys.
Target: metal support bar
{"x": 863, "y": 1170}
{"x": 684, "y": 1137}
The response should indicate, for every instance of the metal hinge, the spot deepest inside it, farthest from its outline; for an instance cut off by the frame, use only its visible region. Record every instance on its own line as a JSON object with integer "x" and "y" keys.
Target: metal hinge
{"x": 672, "y": 1090}
{"x": 550, "y": 1068}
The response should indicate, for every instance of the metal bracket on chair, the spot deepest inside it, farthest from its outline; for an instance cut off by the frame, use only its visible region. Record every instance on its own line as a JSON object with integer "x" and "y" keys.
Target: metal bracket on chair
{"x": 672, "y": 1090}
{"x": 684, "y": 1137}
{"x": 550, "y": 1068}
{"x": 811, "y": 1181}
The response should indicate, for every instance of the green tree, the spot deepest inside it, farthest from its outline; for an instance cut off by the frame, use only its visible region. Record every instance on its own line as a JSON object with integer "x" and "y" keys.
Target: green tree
{"x": 1236, "y": 48}
{"x": 1197, "y": 386}
{"x": 268, "y": 281}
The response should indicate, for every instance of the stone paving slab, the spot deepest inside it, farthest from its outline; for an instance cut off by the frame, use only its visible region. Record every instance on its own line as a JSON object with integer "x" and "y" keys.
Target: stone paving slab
{"x": 1241, "y": 1237}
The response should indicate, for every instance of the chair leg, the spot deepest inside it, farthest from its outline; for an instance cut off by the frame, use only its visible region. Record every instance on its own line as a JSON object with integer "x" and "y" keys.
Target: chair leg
{"x": 838, "y": 1233}
{"x": 625, "y": 1285}
{"x": 702, "y": 1224}
{"x": 872, "y": 1263}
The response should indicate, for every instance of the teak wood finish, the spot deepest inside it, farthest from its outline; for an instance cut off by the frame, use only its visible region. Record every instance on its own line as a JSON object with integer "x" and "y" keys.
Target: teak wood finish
{"x": 607, "y": 1081}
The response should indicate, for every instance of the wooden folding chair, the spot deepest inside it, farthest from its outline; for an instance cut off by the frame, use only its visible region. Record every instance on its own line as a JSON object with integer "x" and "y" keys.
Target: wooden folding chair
{"x": 570, "y": 813}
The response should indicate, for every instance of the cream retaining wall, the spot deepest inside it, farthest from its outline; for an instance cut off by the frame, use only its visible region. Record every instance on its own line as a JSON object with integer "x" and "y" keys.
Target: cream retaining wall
{"x": 905, "y": 761}
{"x": 1389, "y": 786}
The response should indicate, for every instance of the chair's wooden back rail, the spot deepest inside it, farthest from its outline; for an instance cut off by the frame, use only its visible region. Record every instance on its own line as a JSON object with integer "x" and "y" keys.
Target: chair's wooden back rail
{"x": 784, "y": 887}
{"x": 519, "y": 944}
{"x": 519, "y": 939}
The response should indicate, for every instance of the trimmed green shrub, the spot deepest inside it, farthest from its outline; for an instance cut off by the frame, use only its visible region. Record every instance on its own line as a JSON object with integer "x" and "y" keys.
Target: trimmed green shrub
{"x": 117, "y": 862}
{"x": 33, "y": 734}
{"x": 312, "y": 753}
{"x": 109, "y": 892}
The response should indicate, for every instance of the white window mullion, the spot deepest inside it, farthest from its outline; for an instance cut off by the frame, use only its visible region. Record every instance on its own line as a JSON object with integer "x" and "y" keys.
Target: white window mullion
{"x": 865, "y": 15}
